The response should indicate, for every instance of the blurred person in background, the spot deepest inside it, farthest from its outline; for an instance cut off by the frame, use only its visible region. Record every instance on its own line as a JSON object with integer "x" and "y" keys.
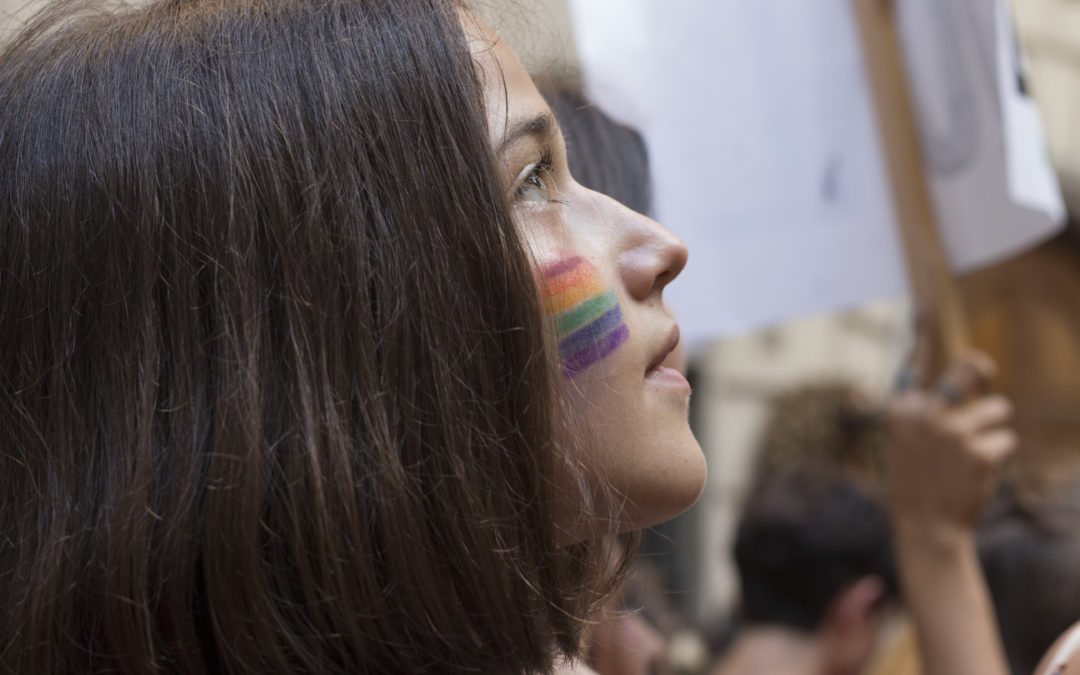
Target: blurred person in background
{"x": 830, "y": 423}
{"x": 816, "y": 575}
{"x": 1029, "y": 547}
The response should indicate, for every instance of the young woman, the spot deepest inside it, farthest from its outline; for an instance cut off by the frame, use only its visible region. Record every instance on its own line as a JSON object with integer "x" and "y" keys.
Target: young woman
{"x": 314, "y": 356}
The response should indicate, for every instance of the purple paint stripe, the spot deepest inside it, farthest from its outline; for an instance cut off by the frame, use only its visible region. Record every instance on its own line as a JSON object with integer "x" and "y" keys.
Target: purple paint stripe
{"x": 590, "y": 332}
{"x": 596, "y": 351}
{"x": 562, "y": 266}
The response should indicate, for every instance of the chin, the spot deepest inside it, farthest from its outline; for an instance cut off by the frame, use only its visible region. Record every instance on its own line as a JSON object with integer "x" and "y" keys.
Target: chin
{"x": 650, "y": 496}
{"x": 669, "y": 490}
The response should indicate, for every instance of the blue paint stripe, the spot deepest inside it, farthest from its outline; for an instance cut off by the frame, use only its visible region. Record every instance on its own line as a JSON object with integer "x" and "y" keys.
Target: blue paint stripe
{"x": 590, "y": 332}
{"x": 596, "y": 351}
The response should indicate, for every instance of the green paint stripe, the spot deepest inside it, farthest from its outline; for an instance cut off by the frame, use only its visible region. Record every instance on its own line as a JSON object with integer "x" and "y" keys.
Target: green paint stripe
{"x": 580, "y": 314}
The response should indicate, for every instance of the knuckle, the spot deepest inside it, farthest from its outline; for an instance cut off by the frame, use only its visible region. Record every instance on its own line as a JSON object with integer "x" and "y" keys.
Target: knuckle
{"x": 1002, "y": 406}
{"x": 954, "y": 428}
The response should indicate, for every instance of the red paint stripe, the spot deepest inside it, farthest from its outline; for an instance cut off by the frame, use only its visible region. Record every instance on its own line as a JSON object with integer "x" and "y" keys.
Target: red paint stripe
{"x": 562, "y": 266}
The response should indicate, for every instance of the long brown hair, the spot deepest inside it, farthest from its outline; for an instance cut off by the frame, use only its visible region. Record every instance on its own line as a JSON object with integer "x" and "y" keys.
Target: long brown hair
{"x": 274, "y": 393}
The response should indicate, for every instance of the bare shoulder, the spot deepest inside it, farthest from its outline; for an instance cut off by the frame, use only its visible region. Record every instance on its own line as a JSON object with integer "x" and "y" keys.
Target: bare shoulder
{"x": 1063, "y": 658}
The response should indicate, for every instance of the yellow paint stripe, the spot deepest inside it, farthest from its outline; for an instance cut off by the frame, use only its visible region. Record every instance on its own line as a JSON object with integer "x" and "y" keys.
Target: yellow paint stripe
{"x": 590, "y": 286}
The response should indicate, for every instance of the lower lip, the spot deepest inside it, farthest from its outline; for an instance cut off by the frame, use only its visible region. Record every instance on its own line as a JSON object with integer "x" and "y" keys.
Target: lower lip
{"x": 668, "y": 377}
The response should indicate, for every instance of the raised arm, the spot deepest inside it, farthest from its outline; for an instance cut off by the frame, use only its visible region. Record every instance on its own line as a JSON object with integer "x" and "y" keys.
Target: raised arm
{"x": 944, "y": 450}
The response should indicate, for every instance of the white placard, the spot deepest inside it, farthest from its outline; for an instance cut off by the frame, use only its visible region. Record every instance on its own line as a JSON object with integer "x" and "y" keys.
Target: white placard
{"x": 765, "y": 155}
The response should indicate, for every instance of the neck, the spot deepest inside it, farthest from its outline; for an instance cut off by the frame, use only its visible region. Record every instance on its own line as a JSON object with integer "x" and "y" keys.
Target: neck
{"x": 772, "y": 650}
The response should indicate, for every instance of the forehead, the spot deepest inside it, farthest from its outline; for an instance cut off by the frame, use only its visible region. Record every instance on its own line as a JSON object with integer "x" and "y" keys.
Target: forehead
{"x": 509, "y": 92}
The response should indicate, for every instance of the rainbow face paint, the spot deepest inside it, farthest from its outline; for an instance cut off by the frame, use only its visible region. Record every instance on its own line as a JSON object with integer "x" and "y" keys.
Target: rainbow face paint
{"x": 587, "y": 314}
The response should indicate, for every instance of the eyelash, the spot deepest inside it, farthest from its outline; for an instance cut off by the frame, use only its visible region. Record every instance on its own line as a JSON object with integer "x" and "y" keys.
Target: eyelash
{"x": 541, "y": 171}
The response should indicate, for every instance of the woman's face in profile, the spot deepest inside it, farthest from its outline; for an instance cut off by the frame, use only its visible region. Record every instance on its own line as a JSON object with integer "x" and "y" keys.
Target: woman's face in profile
{"x": 601, "y": 269}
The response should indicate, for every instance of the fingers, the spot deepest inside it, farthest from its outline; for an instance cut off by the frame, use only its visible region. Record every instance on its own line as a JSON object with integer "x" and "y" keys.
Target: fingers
{"x": 946, "y": 445}
{"x": 981, "y": 414}
{"x": 996, "y": 445}
{"x": 980, "y": 427}
{"x": 970, "y": 374}
{"x": 920, "y": 415}
{"x": 968, "y": 377}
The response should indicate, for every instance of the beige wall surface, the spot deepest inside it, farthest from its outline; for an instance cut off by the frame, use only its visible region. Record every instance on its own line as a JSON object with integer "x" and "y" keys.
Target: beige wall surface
{"x": 1050, "y": 33}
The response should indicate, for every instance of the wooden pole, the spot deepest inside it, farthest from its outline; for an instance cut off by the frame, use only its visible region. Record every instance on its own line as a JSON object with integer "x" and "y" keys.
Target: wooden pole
{"x": 930, "y": 276}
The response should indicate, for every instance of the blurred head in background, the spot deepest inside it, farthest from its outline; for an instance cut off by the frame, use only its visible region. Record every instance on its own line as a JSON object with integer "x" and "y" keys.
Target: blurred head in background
{"x": 816, "y": 572}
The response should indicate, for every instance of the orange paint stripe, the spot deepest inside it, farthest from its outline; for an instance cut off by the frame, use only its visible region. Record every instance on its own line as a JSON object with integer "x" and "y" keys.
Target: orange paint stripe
{"x": 589, "y": 286}
{"x": 565, "y": 282}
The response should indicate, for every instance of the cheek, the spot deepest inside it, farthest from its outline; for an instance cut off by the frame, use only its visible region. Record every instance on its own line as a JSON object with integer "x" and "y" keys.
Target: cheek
{"x": 587, "y": 315}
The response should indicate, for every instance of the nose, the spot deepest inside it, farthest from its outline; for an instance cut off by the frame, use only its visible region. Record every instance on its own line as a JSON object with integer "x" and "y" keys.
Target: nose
{"x": 651, "y": 255}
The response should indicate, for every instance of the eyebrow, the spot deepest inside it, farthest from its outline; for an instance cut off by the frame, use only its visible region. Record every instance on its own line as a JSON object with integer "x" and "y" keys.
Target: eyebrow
{"x": 540, "y": 126}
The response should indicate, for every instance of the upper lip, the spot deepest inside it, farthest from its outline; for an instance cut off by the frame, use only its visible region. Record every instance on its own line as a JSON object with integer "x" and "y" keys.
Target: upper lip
{"x": 669, "y": 344}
